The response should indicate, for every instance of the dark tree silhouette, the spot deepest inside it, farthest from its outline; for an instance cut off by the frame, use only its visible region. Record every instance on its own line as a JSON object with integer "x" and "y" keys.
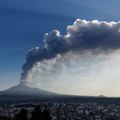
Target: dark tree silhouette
{"x": 46, "y": 115}
{"x": 22, "y": 115}
{"x": 37, "y": 114}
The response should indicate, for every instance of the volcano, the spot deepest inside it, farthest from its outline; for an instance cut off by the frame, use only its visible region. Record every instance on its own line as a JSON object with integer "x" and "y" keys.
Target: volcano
{"x": 25, "y": 90}
{"x": 24, "y": 93}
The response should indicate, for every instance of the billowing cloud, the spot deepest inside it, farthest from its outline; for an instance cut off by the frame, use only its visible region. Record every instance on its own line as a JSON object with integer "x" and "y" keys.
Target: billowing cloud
{"x": 82, "y": 36}
{"x": 86, "y": 57}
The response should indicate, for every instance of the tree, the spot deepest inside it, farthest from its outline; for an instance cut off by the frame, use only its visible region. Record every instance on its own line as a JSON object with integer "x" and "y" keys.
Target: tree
{"x": 46, "y": 115}
{"x": 37, "y": 114}
{"x": 22, "y": 115}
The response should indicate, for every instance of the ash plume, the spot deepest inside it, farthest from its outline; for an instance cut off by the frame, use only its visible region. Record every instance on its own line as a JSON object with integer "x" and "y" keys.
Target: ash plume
{"x": 83, "y": 38}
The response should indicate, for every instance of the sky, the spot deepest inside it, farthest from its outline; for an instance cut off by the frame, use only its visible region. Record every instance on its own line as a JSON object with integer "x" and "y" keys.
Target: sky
{"x": 23, "y": 24}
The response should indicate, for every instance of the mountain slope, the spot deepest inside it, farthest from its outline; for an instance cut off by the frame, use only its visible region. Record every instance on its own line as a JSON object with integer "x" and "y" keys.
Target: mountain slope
{"x": 23, "y": 93}
{"x": 25, "y": 90}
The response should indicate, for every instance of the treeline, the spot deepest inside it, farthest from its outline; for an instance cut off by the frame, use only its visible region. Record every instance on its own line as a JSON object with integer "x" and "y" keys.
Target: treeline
{"x": 36, "y": 114}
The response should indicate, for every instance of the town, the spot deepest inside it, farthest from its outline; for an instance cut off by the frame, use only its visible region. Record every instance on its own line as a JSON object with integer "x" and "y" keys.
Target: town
{"x": 63, "y": 111}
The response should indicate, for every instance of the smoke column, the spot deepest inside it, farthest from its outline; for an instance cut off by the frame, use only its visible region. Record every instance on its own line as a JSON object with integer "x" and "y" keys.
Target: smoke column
{"x": 85, "y": 41}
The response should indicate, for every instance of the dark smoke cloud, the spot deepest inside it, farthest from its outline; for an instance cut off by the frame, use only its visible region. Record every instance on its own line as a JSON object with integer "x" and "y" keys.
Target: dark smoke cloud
{"x": 82, "y": 36}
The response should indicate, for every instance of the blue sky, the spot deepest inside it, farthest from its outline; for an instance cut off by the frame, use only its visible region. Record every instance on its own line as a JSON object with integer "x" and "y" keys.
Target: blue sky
{"x": 23, "y": 24}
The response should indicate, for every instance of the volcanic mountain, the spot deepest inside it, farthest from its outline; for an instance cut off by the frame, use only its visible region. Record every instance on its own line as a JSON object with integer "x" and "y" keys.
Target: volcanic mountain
{"x": 25, "y": 90}
{"x": 23, "y": 93}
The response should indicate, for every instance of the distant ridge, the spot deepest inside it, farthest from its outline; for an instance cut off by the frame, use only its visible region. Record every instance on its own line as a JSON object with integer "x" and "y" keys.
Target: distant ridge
{"x": 101, "y": 96}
